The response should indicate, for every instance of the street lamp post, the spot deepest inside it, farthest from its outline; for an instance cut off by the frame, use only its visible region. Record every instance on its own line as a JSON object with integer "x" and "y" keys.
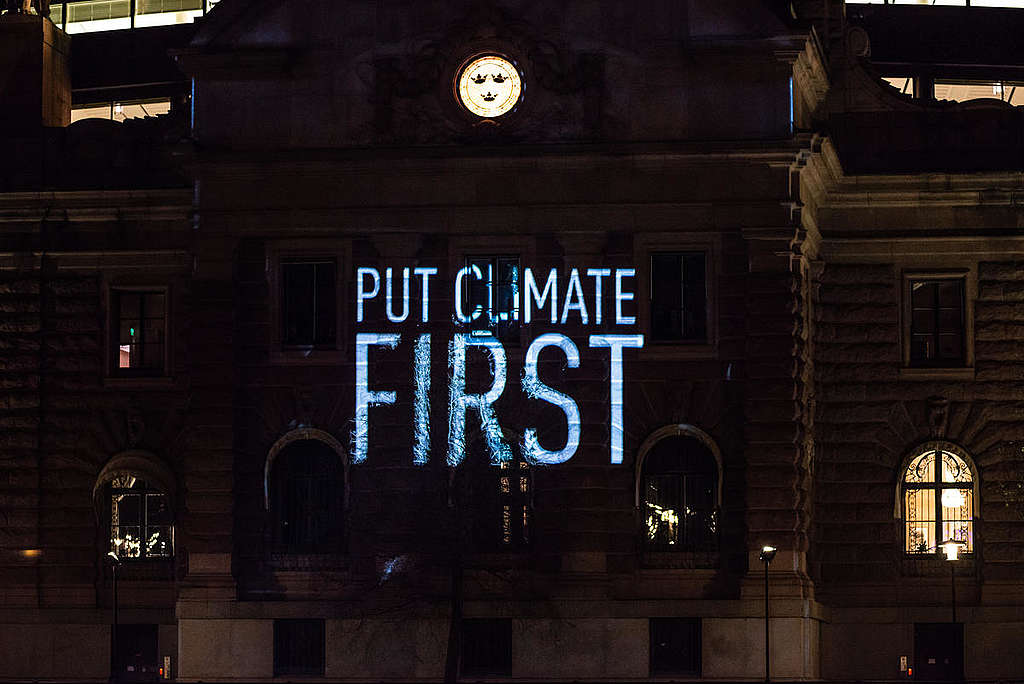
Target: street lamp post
{"x": 767, "y": 554}
{"x": 114, "y": 563}
{"x": 951, "y": 547}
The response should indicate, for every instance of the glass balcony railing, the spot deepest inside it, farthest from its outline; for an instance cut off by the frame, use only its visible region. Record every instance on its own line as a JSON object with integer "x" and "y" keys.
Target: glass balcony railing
{"x": 86, "y": 16}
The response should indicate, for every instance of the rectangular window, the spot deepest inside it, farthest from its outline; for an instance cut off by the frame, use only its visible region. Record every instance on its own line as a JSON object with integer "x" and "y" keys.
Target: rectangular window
{"x": 675, "y": 647}
{"x": 486, "y": 648}
{"x": 679, "y": 303}
{"x": 937, "y": 322}
{"x": 298, "y": 647}
{"x": 120, "y": 111}
{"x": 309, "y": 304}
{"x": 141, "y": 319}
{"x": 140, "y": 520}
{"x": 493, "y": 286}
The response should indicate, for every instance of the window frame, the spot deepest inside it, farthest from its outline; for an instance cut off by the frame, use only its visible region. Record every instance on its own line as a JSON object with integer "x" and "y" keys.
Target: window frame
{"x": 335, "y": 536}
{"x": 113, "y": 336}
{"x": 963, "y": 371}
{"x": 661, "y": 672}
{"x": 506, "y": 627}
{"x": 645, "y": 247}
{"x": 689, "y": 432}
{"x": 279, "y": 252}
{"x": 515, "y": 336}
{"x": 900, "y": 514}
{"x": 688, "y": 341}
{"x": 316, "y": 671}
{"x": 143, "y": 493}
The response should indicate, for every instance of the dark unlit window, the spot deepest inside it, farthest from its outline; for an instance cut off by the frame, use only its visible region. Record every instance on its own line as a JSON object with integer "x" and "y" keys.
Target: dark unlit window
{"x": 140, "y": 520}
{"x": 493, "y": 286}
{"x": 306, "y": 493}
{"x": 675, "y": 647}
{"x": 937, "y": 322}
{"x": 486, "y": 648}
{"x": 309, "y": 311}
{"x": 679, "y": 307}
{"x": 298, "y": 647}
{"x": 141, "y": 319}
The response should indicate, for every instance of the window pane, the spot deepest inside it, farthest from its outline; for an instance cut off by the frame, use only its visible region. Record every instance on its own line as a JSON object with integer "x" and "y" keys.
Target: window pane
{"x": 679, "y": 297}
{"x": 127, "y": 509}
{"x": 954, "y": 468}
{"x": 497, "y": 293}
{"x": 157, "y": 510}
{"x": 919, "y": 506}
{"x": 666, "y": 297}
{"x": 158, "y": 541}
{"x": 921, "y": 469}
{"x": 326, "y": 304}
{"x": 937, "y": 322}
{"x": 923, "y": 321}
{"x": 125, "y": 540}
{"x": 662, "y": 499}
{"x": 299, "y": 293}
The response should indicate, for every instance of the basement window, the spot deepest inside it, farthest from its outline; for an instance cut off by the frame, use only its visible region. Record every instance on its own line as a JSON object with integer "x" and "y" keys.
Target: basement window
{"x": 298, "y": 647}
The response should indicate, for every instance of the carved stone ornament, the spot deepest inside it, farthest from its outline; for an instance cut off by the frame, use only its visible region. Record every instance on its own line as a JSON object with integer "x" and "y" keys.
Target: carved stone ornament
{"x": 938, "y": 416}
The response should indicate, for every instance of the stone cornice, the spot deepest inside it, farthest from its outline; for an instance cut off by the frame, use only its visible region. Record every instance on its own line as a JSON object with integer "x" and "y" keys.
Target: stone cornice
{"x": 96, "y": 205}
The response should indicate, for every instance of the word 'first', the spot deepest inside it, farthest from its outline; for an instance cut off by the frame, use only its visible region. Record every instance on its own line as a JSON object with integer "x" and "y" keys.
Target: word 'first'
{"x": 537, "y": 292}
{"x": 460, "y": 402}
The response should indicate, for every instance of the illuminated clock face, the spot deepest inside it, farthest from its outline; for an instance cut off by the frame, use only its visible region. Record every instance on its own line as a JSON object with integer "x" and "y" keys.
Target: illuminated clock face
{"x": 490, "y": 86}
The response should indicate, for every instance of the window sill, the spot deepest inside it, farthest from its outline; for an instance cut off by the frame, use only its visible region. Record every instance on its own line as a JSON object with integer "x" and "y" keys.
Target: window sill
{"x": 140, "y": 381}
{"x": 680, "y": 560}
{"x": 936, "y": 374}
{"x": 308, "y": 357}
{"x": 302, "y": 562}
{"x": 678, "y": 350}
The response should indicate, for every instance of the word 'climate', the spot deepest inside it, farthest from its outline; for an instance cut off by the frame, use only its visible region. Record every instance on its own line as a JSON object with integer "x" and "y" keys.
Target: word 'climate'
{"x": 484, "y": 294}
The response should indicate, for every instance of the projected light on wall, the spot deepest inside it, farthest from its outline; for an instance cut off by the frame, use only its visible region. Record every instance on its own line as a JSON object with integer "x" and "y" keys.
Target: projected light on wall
{"x": 536, "y": 302}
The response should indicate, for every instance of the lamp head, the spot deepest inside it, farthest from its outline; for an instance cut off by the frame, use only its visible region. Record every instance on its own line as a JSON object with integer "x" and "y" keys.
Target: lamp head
{"x": 113, "y": 558}
{"x": 768, "y": 554}
{"x": 951, "y": 548}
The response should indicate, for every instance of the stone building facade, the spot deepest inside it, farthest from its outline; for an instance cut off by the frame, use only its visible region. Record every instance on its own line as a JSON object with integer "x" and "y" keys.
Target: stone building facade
{"x": 187, "y": 316}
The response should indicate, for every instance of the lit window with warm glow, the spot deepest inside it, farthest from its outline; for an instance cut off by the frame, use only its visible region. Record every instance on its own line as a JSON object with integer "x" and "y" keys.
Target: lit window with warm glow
{"x": 1011, "y": 92}
{"x": 140, "y": 520}
{"x": 121, "y": 111}
{"x": 938, "y": 501}
{"x": 680, "y": 496}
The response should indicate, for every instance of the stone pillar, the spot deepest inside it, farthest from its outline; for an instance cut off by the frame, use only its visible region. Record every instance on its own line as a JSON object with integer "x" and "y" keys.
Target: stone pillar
{"x": 35, "y": 74}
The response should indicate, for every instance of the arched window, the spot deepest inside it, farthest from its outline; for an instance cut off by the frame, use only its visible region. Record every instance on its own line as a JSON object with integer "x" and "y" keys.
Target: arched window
{"x": 134, "y": 495}
{"x": 938, "y": 497}
{"x": 679, "y": 490}
{"x": 306, "y": 497}
{"x": 140, "y": 520}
